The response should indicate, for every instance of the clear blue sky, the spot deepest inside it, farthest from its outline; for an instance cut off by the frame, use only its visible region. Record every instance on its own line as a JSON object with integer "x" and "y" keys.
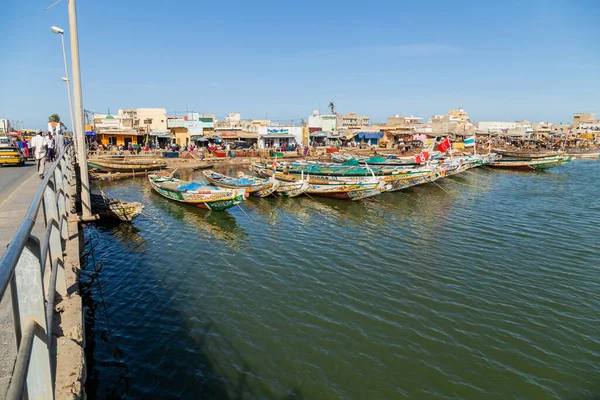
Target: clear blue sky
{"x": 504, "y": 60}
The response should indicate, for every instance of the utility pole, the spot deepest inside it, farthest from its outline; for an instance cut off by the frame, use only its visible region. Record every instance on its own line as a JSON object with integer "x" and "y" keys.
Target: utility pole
{"x": 86, "y": 206}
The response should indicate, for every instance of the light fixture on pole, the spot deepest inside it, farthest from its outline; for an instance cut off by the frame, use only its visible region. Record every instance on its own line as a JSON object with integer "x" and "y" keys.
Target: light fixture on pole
{"x": 61, "y": 32}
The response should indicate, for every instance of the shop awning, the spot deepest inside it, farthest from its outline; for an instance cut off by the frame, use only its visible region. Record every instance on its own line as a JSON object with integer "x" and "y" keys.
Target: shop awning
{"x": 195, "y": 138}
{"x": 370, "y": 135}
{"x": 248, "y": 136}
{"x": 318, "y": 134}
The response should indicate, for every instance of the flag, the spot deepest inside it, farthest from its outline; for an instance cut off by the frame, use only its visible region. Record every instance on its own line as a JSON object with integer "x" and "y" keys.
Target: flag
{"x": 422, "y": 157}
{"x": 469, "y": 141}
{"x": 444, "y": 145}
{"x": 274, "y": 164}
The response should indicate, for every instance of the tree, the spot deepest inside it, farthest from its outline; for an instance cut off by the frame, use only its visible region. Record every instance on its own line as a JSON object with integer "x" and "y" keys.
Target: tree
{"x": 54, "y": 118}
{"x": 332, "y": 107}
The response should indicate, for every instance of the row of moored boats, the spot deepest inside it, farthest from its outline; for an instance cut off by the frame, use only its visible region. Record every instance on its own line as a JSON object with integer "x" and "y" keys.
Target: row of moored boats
{"x": 347, "y": 177}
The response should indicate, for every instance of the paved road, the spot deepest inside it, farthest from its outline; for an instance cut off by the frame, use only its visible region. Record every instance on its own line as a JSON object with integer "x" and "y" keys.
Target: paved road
{"x": 12, "y": 176}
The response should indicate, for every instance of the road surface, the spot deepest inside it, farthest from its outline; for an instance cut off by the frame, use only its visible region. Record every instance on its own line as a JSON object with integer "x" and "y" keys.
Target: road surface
{"x": 11, "y": 176}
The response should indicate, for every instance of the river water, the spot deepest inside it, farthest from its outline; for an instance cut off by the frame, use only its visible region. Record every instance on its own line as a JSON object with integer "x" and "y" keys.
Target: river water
{"x": 484, "y": 286}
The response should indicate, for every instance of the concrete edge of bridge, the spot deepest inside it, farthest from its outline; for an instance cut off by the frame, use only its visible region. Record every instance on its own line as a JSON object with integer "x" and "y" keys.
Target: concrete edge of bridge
{"x": 69, "y": 334}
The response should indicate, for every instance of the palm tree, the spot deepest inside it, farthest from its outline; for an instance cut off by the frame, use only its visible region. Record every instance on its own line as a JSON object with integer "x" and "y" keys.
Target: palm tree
{"x": 54, "y": 118}
{"x": 332, "y": 107}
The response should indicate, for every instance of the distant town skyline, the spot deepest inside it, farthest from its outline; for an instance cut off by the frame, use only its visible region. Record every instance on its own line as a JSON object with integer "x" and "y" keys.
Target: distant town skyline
{"x": 503, "y": 62}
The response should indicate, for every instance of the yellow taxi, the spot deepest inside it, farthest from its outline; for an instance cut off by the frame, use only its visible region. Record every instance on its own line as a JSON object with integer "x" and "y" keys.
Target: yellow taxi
{"x": 11, "y": 155}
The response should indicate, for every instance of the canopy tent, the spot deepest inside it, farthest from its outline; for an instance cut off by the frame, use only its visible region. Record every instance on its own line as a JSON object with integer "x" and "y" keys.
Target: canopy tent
{"x": 370, "y": 135}
{"x": 280, "y": 136}
{"x": 198, "y": 138}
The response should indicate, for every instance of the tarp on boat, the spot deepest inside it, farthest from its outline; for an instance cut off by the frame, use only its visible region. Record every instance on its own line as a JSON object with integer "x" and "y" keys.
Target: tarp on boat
{"x": 377, "y": 160}
{"x": 351, "y": 163}
{"x": 191, "y": 186}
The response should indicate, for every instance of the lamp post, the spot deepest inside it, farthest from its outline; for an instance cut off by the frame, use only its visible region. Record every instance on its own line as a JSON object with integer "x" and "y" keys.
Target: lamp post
{"x": 61, "y": 32}
{"x": 86, "y": 206}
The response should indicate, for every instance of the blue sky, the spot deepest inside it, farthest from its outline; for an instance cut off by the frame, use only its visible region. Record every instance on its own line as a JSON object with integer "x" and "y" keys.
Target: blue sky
{"x": 504, "y": 60}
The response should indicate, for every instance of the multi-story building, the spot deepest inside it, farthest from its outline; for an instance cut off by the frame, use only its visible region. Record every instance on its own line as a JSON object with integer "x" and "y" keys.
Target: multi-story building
{"x": 456, "y": 122}
{"x": 4, "y": 126}
{"x": 191, "y": 127}
{"x": 134, "y": 126}
{"x": 581, "y": 117}
{"x": 352, "y": 121}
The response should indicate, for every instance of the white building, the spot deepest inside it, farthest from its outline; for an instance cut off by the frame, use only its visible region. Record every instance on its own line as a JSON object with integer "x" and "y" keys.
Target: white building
{"x": 497, "y": 127}
{"x": 275, "y": 136}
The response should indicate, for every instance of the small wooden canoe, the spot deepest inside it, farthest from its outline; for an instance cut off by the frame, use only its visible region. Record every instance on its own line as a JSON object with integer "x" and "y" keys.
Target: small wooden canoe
{"x": 116, "y": 209}
{"x": 197, "y": 194}
{"x": 126, "y": 166}
{"x": 530, "y": 164}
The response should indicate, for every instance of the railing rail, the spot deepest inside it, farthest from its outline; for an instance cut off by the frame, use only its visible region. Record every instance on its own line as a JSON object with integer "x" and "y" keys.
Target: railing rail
{"x": 22, "y": 267}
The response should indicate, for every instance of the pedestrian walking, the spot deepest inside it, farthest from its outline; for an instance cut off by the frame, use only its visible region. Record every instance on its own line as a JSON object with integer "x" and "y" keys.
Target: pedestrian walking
{"x": 39, "y": 145}
{"x": 59, "y": 143}
{"x": 50, "y": 141}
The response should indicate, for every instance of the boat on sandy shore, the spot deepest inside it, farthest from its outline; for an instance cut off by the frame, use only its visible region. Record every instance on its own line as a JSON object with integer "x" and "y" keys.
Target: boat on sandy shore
{"x": 126, "y": 166}
{"x": 115, "y": 209}
{"x": 255, "y": 186}
{"x": 542, "y": 163}
{"x": 197, "y": 194}
{"x": 527, "y": 154}
{"x": 584, "y": 154}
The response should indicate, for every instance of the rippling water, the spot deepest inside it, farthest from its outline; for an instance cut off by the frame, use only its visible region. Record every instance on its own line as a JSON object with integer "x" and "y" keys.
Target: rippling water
{"x": 486, "y": 286}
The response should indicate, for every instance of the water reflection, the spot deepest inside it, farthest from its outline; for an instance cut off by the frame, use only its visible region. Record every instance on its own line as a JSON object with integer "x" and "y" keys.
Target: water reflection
{"x": 219, "y": 225}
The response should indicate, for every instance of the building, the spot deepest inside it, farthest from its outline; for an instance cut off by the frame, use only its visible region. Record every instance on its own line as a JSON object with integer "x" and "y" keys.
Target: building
{"x": 275, "y": 136}
{"x": 324, "y": 123}
{"x": 4, "y": 126}
{"x": 506, "y": 127}
{"x": 581, "y": 117}
{"x": 191, "y": 127}
{"x": 456, "y": 122}
{"x": 135, "y": 126}
{"x": 352, "y": 121}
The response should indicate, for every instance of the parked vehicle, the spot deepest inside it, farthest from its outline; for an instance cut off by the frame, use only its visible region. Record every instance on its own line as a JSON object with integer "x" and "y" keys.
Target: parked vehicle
{"x": 240, "y": 145}
{"x": 11, "y": 155}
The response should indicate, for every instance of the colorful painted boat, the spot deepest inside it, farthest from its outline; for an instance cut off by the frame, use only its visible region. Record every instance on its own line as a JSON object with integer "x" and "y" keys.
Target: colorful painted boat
{"x": 584, "y": 154}
{"x": 253, "y": 185}
{"x": 524, "y": 154}
{"x": 346, "y": 190}
{"x": 197, "y": 194}
{"x": 116, "y": 209}
{"x": 126, "y": 166}
{"x": 530, "y": 164}
{"x": 293, "y": 189}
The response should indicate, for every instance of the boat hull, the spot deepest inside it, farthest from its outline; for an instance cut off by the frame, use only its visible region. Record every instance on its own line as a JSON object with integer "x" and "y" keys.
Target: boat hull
{"x": 126, "y": 167}
{"x": 529, "y": 165}
{"x": 216, "y": 200}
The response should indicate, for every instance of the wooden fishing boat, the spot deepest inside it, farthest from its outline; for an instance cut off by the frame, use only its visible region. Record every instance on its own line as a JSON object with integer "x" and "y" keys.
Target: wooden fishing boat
{"x": 126, "y": 166}
{"x": 398, "y": 181}
{"x": 197, "y": 194}
{"x": 530, "y": 164}
{"x": 524, "y": 154}
{"x": 346, "y": 190}
{"x": 253, "y": 185}
{"x": 584, "y": 154}
{"x": 116, "y": 209}
{"x": 293, "y": 189}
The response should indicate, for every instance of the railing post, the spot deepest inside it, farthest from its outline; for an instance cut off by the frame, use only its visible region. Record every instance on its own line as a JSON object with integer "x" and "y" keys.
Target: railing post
{"x": 61, "y": 199}
{"x": 55, "y": 245}
{"x": 30, "y": 295}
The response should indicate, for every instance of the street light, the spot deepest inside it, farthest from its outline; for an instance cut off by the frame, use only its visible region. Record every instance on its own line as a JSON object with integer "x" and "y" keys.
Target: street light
{"x": 61, "y": 32}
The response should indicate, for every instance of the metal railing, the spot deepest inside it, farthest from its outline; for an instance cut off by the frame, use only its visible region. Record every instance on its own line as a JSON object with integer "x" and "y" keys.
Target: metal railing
{"x": 22, "y": 267}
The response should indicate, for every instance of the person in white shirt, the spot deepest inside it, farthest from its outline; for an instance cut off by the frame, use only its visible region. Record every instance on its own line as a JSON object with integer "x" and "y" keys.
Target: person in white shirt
{"x": 39, "y": 146}
{"x": 59, "y": 143}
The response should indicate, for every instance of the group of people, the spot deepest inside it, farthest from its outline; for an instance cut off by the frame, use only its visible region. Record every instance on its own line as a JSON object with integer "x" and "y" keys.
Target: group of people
{"x": 45, "y": 148}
